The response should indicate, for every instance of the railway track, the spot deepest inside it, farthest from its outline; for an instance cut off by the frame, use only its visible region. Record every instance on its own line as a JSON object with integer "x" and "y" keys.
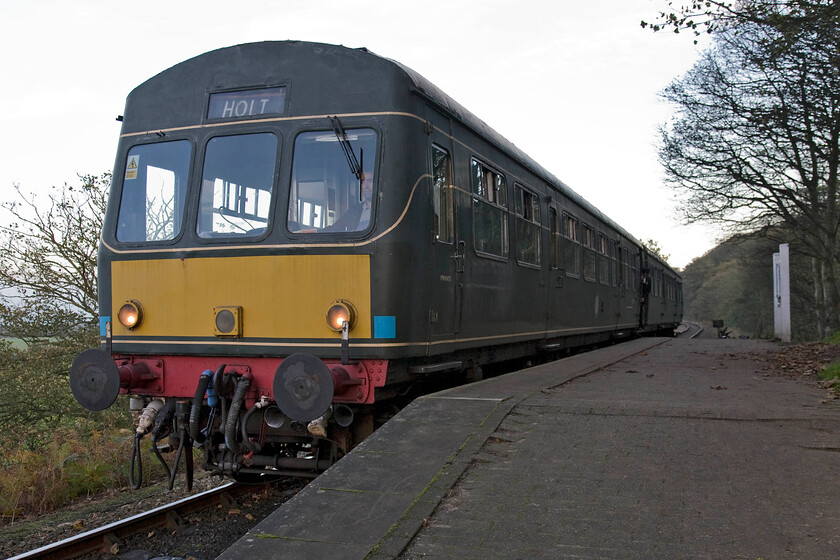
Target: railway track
{"x": 689, "y": 330}
{"x": 110, "y": 537}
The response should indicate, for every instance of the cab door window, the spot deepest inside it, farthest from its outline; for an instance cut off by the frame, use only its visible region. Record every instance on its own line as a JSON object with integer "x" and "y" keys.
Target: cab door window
{"x": 442, "y": 195}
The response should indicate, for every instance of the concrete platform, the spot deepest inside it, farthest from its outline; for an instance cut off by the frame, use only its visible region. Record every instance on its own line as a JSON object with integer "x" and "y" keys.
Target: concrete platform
{"x": 656, "y": 448}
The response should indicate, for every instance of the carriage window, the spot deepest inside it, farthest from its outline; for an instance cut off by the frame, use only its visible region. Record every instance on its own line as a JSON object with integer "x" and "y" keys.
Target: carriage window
{"x": 588, "y": 253}
{"x": 555, "y": 239}
{"x": 442, "y": 194}
{"x": 634, "y": 271}
{"x": 489, "y": 210}
{"x": 236, "y": 186}
{"x": 622, "y": 262}
{"x": 603, "y": 262}
{"x": 571, "y": 254}
{"x": 326, "y": 195}
{"x": 153, "y": 192}
{"x": 657, "y": 282}
{"x": 528, "y": 224}
{"x": 627, "y": 280}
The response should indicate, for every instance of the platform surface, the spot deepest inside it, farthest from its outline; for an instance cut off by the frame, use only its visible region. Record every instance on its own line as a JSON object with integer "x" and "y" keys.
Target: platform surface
{"x": 655, "y": 448}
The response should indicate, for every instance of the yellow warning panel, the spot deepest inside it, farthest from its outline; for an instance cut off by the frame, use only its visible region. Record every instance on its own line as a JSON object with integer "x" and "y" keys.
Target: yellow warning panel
{"x": 280, "y": 296}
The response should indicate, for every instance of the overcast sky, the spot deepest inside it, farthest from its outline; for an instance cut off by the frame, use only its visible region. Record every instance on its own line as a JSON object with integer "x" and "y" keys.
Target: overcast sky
{"x": 573, "y": 84}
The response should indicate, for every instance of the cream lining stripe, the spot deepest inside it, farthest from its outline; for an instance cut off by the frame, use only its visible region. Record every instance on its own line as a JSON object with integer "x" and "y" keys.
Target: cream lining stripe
{"x": 526, "y": 336}
{"x": 261, "y": 121}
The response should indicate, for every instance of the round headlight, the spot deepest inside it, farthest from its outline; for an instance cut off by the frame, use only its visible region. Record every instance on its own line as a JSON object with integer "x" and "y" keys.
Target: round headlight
{"x": 130, "y": 314}
{"x": 341, "y": 312}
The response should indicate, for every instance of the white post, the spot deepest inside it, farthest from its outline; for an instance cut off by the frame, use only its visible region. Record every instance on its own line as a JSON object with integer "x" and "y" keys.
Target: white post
{"x": 781, "y": 292}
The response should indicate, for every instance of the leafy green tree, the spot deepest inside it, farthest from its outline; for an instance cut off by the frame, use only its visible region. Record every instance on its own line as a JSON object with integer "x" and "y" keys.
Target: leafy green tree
{"x": 653, "y": 247}
{"x": 734, "y": 282}
{"x": 755, "y": 141}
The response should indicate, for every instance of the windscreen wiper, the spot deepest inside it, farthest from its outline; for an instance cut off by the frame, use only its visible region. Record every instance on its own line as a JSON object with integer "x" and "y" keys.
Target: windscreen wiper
{"x": 355, "y": 166}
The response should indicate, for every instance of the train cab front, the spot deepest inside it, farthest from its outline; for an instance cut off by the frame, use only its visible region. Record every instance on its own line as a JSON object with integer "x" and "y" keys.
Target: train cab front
{"x": 236, "y": 291}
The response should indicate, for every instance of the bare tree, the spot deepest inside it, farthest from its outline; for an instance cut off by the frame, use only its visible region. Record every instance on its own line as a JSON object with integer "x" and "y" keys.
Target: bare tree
{"x": 756, "y": 137}
{"x": 712, "y": 16}
{"x": 48, "y": 256}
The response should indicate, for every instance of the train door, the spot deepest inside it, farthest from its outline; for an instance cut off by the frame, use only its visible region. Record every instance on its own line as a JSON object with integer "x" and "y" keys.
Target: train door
{"x": 622, "y": 270}
{"x": 557, "y": 273}
{"x": 448, "y": 249}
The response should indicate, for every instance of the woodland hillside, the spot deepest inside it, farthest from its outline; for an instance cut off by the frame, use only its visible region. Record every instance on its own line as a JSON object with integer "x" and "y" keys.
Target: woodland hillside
{"x": 734, "y": 282}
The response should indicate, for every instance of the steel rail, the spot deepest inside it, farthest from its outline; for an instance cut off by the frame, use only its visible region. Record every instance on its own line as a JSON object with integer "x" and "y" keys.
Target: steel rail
{"x": 688, "y": 327}
{"x": 103, "y": 538}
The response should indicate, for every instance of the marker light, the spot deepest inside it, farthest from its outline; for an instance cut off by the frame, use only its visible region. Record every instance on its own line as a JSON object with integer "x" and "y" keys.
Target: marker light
{"x": 225, "y": 321}
{"x": 228, "y": 321}
{"x": 341, "y": 312}
{"x": 130, "y": 314}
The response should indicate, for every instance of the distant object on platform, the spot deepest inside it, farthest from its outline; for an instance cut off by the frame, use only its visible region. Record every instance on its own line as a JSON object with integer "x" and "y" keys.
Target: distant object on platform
{"x": 781, "y": 292}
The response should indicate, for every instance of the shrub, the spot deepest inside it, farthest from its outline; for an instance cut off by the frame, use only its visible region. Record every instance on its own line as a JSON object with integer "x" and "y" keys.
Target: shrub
{"x": 51, "y": 450}
{"x": 831, "y": 376}
{"x": 833, "y": 338}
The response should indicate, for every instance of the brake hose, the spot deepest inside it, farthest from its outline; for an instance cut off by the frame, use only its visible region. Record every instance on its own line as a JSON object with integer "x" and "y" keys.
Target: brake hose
{"x": 136, "y": 456}
{"x": 242, "y": 385}
{"x": 195, "y": 410}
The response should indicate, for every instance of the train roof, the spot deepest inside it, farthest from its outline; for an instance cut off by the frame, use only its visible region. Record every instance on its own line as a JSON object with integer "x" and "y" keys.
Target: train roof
{"x": 272, "y": 62}
{"x": 458, "y": 111}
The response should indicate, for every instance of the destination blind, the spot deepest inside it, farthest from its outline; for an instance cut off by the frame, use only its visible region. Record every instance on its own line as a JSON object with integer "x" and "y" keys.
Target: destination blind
{"x": 247, "y": 104}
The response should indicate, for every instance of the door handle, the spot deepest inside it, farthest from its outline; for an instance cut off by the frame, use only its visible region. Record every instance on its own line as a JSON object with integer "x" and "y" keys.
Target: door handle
{"x": 458, "y": 257}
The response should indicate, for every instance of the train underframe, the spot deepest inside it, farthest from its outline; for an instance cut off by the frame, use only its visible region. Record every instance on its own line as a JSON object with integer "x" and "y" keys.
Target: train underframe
{"x": 250, "y": 417}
